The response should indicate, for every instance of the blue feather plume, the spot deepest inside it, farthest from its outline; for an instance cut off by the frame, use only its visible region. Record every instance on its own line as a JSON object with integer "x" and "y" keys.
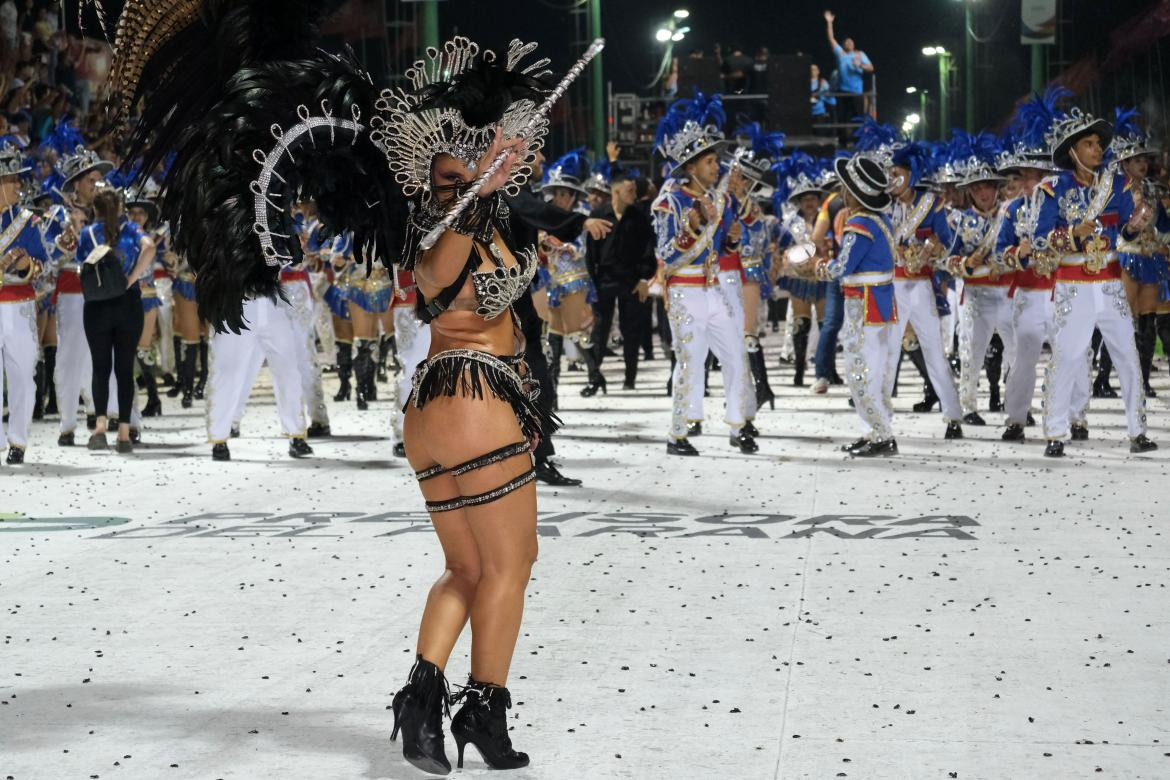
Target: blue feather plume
{"x": 763, "y": 145}
{"x": 700, "y": 109}
{"x": 574, "y": 163}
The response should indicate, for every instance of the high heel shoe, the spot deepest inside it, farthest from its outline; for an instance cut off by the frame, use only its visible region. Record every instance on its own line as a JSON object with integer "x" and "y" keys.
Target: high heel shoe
{"x": 343, "y": 392}
{"x": 483, "y": 722}
{"x": 590, "y": 390}
{"x": 418, "y": 712}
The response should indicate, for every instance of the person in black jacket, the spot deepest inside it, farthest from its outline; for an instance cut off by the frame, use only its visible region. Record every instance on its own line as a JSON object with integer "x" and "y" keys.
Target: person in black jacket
{"x": 621, "y": 264}
{"x": 531, "y": 213}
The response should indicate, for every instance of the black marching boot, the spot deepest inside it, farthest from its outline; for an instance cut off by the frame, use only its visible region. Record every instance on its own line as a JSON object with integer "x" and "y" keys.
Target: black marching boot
{"x": 801, "y": 327}
{"x": 39, "y": 389}
{"x": 929, "y": 396}
{"x": 153, "y": 406}
{"x": 418, "y": 713}
{"x": 177, "y": 387}
{"x": 596, "y": 380}
{"x": 1161, "y": 329}
{"x": 344, "y": 370}
{"x": 993, "y": 365}
{"x": 556, "y": 350}
{"x": 187, "y": 375}
{"x": 385, "y": 348}
{"x": 201, "y": 384}
{"x": 1147, "y": 342}
{"x": 363, "y": 371}
{"x": 50, "y": 379}
{"x": 670, "y": 376}
{"x": 483, "y": 721}
{"x": 1101, "y": 386}
{"x": 759, "y": 367}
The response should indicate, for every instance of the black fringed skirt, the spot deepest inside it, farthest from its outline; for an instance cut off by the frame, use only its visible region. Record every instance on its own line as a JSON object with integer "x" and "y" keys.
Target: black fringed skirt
{"x": 471, "y": 373}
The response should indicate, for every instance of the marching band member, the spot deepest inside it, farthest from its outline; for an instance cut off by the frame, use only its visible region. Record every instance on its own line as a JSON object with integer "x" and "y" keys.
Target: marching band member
{"x": 142, "y": 209}
{"x": 1077, "y": 235}
{"x": 695, "y": 223}
{"x": 83, "y": 170}
{"x": 923, "y": 235}
{"x": 571, "y": 293}
{"x": 865, "y": 268}
{"x": 22, "y": 254}
{"x": 1026, "y": 162}
{"x": 985, "y": 306}
{"x": 795, "y": 232}
{"x": 1144, "y": 266}
{"x": 414, "y": 342}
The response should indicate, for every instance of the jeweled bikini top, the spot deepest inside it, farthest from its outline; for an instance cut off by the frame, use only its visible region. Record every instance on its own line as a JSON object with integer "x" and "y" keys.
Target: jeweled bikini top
{"x": 495, "y": 290}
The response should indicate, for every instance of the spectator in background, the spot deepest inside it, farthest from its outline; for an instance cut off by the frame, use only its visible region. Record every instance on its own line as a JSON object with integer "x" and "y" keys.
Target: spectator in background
{"x": 852, "y": 65}
{"x": 9, "y": 28}
{"x": 820, "y": 98}
{"x": 112, "y": 327}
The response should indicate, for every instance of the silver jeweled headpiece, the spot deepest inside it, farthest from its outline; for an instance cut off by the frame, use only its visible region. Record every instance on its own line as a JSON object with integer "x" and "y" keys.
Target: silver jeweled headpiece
{"x": 412, "y": 138}
{"x": 11, "y": 160}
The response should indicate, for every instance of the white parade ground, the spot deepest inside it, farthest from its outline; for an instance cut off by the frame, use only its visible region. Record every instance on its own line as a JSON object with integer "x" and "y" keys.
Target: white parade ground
{"x": 966, "y": 610}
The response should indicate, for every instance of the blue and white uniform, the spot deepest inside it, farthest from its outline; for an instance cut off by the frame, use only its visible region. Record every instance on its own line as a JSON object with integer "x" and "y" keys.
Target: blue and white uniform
{"x": 922, "y": 234}
{"x": 870, "y": 334}
{"x": 19, "y": 236}
{"x": 701, "y": 318}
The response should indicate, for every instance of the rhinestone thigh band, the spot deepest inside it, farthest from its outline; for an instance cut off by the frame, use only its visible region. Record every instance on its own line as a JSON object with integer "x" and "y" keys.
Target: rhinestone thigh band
{"x": 495, "y": 456}
{"x": 483, "y": 498}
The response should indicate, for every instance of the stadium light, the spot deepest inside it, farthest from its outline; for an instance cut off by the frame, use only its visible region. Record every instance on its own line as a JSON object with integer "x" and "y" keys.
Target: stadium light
{"x": 663, "y": 35}
{"x": 913, "y": 119}
{"x": 911, "y": 90}
{"x": 682, "y": 13}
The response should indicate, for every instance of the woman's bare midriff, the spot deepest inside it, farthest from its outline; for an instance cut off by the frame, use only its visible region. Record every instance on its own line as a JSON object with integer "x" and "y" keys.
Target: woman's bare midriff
{"x": 459, "y": 327}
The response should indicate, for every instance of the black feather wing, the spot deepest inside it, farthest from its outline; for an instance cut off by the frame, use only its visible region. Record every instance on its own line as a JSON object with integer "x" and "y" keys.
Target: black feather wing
{"x": 211, "y": 86}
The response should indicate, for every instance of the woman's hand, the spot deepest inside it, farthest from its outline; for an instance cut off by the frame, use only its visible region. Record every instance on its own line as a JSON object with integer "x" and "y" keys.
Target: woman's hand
{"x": 511, "y": 148}
{"x": 598, "y": 228}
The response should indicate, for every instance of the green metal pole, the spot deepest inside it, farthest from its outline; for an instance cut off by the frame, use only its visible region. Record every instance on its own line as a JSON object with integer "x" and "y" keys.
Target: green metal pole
{"x": 430, "y": 24}
{"x": 922, "y": 112}
{"x": 969, "y": 81}
{"x": 598, "y": 83}
{"x": 944, "y": 94}
{"x": 1039, "y": 77}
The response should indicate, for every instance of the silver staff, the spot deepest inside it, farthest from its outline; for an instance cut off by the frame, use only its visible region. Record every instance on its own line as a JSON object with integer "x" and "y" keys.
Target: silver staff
{"x": 472, "y": 193}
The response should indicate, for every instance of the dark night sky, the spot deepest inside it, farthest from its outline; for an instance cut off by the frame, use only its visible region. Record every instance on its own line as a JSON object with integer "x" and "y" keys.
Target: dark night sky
{"x": 891, "y": 32}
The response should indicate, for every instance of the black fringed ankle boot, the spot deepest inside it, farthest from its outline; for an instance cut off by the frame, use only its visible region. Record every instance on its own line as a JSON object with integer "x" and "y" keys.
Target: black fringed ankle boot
{"x": 483, "y": 722}
{"x": 51, "y": 379}
{"x": 1147, "y": 341}
{"x": 418, "y": 713}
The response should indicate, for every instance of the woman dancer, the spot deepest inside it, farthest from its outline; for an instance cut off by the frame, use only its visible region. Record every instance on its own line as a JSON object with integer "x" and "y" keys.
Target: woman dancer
{"x": 479, "y": 486}
{"x": 799, "y": 189}
{"x": 142, "y": 210}
{"x": 472, "y": 416}
{"x": 1144, "y": 268}
{"x": 571, "y": 293}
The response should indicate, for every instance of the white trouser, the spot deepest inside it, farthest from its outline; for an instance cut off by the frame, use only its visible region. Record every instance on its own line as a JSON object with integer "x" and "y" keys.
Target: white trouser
{"x": 916, "y": 306}
{"x": 1078, "y": 308}
{"x": 950, "y": 322}
{"x": 74, "y": 373}
{"x": 323, "y": 318}
{"x": 731, "y": 285}
{"x": 251, "y": 371}
{"x": 166, "y": 326}
{"x": 702, "y": 321}
{"x": 18, "y": 366}
{"x": 300, "y": 299}
{"x": 414, "y": 342}
{"x": 1032, "y": 320}
{"x": 272, "y": 335}
{"x": 985, "y": 310}
{"x": 871, "y": 351}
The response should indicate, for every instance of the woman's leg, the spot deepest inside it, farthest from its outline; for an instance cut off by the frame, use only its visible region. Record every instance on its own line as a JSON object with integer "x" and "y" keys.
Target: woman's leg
{"x": 504, "y": 531}
{"x": 99, "y": 334}
{"x": 127, "y": 332}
